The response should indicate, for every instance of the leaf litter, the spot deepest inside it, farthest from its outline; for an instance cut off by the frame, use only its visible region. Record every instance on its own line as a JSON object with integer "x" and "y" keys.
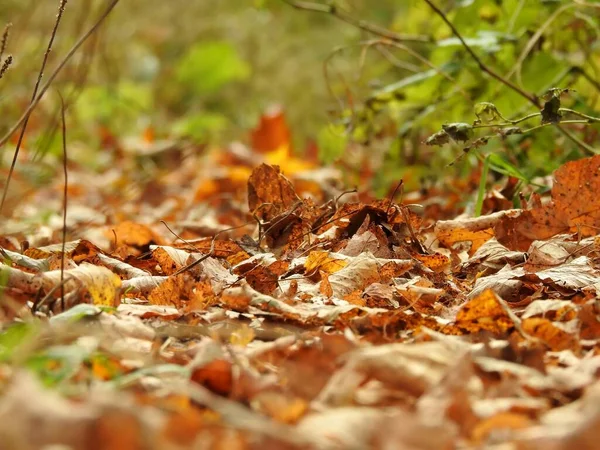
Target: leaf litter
{"x": 231, "y": 302}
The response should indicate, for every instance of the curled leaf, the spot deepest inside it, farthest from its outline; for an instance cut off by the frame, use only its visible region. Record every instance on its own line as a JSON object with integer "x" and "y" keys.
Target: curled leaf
{"x": 487, "y": 112}
{"x": 439, "y": 138}
{"x": 459, "y": 131}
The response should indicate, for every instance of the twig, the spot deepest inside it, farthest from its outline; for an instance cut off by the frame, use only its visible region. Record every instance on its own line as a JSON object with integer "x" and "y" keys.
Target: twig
{"x": 508, "y": 123}
{"x": 199, "y": 260}
{"x": 363, "y": 25}
{"x": 65, "y": 194}
{"x": 478, "y": 60}
{"x": 61, "y": 10}
{"x": 57, "y": 70}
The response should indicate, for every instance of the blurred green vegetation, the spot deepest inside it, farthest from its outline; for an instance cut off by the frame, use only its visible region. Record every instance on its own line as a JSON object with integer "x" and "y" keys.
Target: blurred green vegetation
{"x": 207, "y": 70}
{"x": 204, "y": 68}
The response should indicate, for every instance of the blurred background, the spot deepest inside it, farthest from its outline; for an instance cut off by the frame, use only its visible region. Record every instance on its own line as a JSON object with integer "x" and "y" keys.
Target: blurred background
{"x": 206, "y": 71}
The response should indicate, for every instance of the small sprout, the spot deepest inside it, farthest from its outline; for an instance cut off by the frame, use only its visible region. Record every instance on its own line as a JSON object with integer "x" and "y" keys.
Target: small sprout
{"x": 487, "y": 112}
{"x": 439, "y": 138}
{"x": 459, "y": 131}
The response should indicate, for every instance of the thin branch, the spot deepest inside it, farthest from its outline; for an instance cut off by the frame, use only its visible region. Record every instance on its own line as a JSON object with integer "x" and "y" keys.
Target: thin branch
{"x": 363, "y": 25}
{"x": 478, "y": 60}
{"x": 57, "y": 70}
{"x": 65, "y": 195}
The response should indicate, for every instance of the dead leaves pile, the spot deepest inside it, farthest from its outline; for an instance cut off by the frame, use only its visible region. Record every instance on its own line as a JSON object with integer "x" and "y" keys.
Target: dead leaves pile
{"x": 287, "y": 314}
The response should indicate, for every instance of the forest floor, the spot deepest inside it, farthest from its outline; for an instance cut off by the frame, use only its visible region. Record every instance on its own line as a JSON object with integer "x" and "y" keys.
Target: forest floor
{"x": 245, "y": 298}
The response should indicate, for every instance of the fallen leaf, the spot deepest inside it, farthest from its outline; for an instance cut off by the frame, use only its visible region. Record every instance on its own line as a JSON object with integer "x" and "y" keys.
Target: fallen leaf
{"x": 574, "y": 208}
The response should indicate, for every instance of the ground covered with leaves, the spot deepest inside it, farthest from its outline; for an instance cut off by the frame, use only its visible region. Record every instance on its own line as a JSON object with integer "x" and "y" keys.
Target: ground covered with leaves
{"x": 243, "y": 298}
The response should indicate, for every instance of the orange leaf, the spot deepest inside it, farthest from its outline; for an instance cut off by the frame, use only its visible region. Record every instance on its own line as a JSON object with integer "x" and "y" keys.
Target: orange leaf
{"x": 553, "y": 336}
{"x": 216, "y": 376}
{"x": 272, "y": 132}
{"x": 483, "y": 313}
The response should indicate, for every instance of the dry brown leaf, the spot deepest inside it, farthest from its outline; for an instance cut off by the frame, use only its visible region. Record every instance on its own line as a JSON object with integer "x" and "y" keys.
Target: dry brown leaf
{"x": 134, "y": 234}
{"x": 270, "y": 193}
{"x": 574, "y": 208}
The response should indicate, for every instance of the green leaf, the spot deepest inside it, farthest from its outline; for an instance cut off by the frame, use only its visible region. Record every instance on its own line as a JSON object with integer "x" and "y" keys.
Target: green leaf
{"x": 490, "y": 41}
{"x": 158, "y": 371}
{"x": 209, "y": 66}
{"x": 13, "y": 337}
{"x": 201, "y": 127}
{"x": 332, "y": 142}
{"x": 59, "y": 363}
{"x": 487, "y": 112}
{"x": 76, "y": 313}
{"x": 500, "y": 165}
{"x": 412, "y": 80}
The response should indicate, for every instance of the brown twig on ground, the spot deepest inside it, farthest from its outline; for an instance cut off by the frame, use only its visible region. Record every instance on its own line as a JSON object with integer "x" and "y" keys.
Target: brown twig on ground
{"x": 57, "y": 70}
{"x": 340, "y": 14}
{"x": 61, "y": 11}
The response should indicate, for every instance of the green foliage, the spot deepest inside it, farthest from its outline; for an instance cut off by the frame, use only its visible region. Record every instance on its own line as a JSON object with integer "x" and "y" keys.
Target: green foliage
{"x": 332, "y": 142}
{"x": 56, "y": 364}
{"x": 210, "y": 76}
{"x": 201, "y": 127}
{"x": 207, "y": 67}
{"x": 119, "y": 106}
{"x": 14, "y": 337}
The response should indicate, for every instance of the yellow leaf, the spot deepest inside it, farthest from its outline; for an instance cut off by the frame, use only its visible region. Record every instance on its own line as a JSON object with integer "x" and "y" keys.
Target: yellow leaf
{"x": 320, "y": 260}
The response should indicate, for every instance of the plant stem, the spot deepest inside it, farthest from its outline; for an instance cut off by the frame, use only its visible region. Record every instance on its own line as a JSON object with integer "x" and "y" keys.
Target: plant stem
{"x": 61, "y": 10}
{"x": 482, "y": 185}
{"x": 579, "y": 114}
